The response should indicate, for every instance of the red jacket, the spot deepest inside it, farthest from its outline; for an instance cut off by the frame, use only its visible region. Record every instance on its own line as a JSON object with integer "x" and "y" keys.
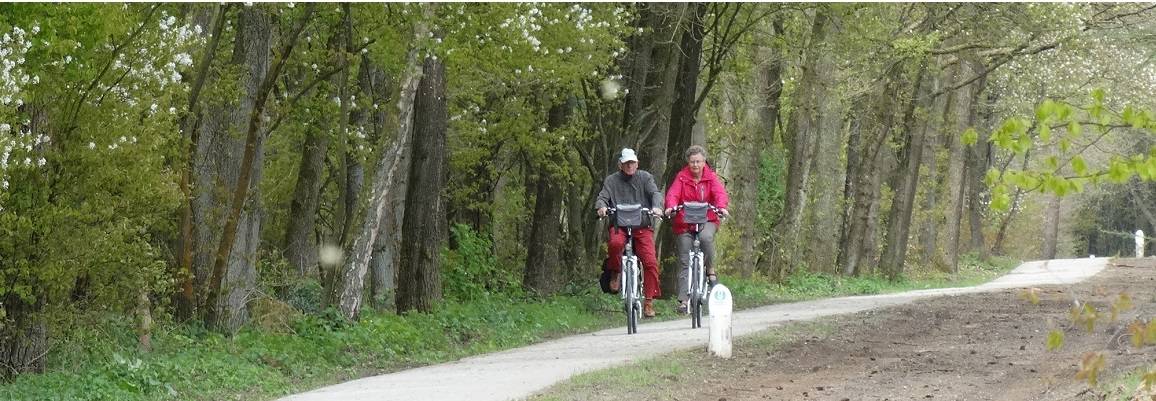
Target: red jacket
{"x": 684, "y": 189}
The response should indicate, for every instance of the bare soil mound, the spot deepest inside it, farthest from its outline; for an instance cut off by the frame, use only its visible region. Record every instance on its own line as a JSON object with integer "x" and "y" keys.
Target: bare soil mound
{"x": 989, "y": 346}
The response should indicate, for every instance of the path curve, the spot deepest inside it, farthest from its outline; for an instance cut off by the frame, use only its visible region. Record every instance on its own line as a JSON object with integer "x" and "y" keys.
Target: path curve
{"x": 520, "y": 372}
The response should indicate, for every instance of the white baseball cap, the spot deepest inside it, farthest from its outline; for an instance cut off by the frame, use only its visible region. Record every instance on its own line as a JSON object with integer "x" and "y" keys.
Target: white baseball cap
{"x": 627, "y": 156}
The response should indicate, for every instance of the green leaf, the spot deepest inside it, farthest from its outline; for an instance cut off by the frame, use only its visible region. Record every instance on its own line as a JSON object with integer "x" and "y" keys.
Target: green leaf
{"x": 970, "y": 137}
{"x": 1055, "y": 340}
{"x": 1063, "y": 112}
{"x": 1045, "y": 133}
{"x": 1045, "y": 111}
{"x": 991, "y": 177}
{"x": 1078, "y": 165}
{"x": 1000, "y": 200}
{"x": 1023, "y": 144}
{"x": 1074, "y": 129}
{"x": 1056, "y": 185}
{"x": 1098, "y": 95}
{"x": 1119, "y": 172}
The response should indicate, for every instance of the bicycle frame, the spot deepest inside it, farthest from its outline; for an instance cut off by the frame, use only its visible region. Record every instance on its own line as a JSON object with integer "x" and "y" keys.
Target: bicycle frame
{"x": 630, "y": 279}
{"x": 631, "y": 284}
{"x": 696, "y": 291}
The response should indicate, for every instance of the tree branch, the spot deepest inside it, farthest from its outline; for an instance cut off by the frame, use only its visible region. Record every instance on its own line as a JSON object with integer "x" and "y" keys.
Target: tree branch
{"x": 100, "y": 75}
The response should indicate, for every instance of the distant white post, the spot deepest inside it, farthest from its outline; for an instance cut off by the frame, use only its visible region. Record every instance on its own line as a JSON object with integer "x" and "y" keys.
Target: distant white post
{"x": 721, "y": 305}
{"x": 1139, "y": 243}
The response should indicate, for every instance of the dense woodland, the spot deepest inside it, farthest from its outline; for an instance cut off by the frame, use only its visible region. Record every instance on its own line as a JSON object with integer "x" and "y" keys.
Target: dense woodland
{"x": 190, "y": 163}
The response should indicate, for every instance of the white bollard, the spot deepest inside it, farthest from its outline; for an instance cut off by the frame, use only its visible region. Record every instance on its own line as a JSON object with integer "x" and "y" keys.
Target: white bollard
{"x": 721, "y": 305}
{"x": 1139, "y": 243}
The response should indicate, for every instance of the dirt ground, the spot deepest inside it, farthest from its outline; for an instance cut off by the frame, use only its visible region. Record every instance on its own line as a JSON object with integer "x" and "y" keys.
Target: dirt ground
{"x": 972, "y": 347}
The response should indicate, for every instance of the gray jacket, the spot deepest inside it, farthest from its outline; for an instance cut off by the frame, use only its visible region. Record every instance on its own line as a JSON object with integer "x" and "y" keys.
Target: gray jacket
{"x": 622, "y": 189}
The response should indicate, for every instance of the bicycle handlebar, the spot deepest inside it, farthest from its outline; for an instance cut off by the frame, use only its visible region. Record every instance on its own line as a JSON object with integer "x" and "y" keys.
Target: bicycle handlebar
{"x": 713, "y": 208}
{"x": 646, "y": 210}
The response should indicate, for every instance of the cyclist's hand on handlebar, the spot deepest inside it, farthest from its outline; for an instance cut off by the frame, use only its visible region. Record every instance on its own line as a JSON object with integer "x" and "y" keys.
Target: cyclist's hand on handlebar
{"x": 655, "y": 213}
{"x": 601, "y": 212}
{"x": 724, "y": 212}
{"x": 668, "y": 211}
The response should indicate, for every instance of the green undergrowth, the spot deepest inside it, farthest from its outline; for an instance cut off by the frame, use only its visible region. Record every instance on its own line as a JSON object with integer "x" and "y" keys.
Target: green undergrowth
{"x": 805, "y": 285}
{"x": 98, "y": 357}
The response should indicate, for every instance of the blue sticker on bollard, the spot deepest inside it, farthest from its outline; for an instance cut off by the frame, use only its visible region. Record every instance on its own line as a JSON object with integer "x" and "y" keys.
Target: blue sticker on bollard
{"x": 720, "y": 295}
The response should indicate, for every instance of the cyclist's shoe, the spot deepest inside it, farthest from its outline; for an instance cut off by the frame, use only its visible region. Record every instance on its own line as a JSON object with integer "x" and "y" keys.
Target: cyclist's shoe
{"x": 615, "y": 284}
{"x": 711, "y": 280}
{"x": 683, "y": 308}
{"x": 648, "y": 308}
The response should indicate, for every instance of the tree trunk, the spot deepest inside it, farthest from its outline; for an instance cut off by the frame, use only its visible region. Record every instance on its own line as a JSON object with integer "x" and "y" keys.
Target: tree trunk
{"x": 1005, "y": 222}
{"x": 800, "y": 138}
{"x": 978, "y": 157}
{"x": 301, "y": 248}
{"x": 931, "y": 210}
{"x": 902, "y": 204}
{"x": 235, "y": 164}
{"x": 824, "y": 215}
{"x": 848, "y": 240}
{"x": 424, "y": 229}
{"x": 23, "y": 337}
{"x": 1051, "y": 228}
{"x": 186, "y": 299}
{"x": 956, "y": 185}
{"x": 375, "y": 83}
{"x": 867, "y": 137}
{"x": 680, "y": 129}
{"x": 637, "y": 63}
{"x": 300, "y": 241}
{"x": 352, "y": 276}
{"x": 543, "y": 265}
{"x": 768, "y": 71}
{"x": 654, "y": 127}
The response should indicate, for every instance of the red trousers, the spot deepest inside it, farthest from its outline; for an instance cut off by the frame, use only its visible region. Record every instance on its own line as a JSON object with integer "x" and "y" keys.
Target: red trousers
{"x": 644, "y": 249}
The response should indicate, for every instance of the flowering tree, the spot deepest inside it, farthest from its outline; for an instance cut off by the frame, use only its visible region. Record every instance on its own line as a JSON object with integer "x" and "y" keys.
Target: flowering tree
{"x": 88, "y": 123}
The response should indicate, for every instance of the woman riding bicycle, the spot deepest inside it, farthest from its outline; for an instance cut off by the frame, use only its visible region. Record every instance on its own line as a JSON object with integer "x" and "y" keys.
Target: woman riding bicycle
{"x": 695, "y": 183}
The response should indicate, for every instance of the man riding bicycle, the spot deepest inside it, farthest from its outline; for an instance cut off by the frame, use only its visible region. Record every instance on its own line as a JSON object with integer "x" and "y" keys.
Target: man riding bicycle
{"x": 632, "y": 186}
{"x": 696, "y": 183}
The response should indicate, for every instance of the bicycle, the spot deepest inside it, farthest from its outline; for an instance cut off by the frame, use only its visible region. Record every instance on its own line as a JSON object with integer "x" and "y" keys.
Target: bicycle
{"x": 694, "y": 213}
{"x": 630, "y": 277}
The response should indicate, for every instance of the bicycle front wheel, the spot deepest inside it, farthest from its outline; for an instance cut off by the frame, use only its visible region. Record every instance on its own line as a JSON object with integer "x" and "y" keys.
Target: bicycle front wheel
{"x": 632, "y": 319}
{"x": 695, "y": 313}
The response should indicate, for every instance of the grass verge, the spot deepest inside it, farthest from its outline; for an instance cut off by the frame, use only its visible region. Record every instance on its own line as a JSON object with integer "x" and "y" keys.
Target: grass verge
{"x": 98, "y": 358}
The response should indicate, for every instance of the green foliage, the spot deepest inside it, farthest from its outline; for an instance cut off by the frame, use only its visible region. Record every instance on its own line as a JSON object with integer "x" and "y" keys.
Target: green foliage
{"x": 94, "y": 201}
{"x": 99, "y": 359}
{"x": 472, "y": 271}
{"x": 1055, "y": 340}
{"x": 1065, "y": 168}
{"x": 970, "y": 137}
{"x": 192, "y": 364}
{"x": 772, "y": 188}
